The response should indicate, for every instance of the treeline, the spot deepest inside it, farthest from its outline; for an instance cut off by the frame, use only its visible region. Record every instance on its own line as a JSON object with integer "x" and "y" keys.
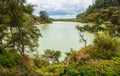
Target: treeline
{"x": 99, "y": 6}
{"x": 106, "y": 17}
{"x": 66, "y": 20}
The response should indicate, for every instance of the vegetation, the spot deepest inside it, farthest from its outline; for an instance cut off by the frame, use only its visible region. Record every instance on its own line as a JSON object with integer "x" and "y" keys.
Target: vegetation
{"x": 104, "y": 16}
{"x": 44, "y": 18}
{"x": 17, "y": 28}
{"x": 18, "y": 36}
{"x": 51, "y": 56}
{"x": 66, "y": 20}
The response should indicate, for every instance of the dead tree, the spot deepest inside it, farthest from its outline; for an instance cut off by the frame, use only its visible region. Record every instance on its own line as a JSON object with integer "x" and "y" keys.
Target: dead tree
{"x": 82, "y": 38}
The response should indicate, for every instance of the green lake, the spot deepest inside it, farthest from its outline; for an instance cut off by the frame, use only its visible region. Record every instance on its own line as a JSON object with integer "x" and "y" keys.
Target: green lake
{"x": 62, "y": 36}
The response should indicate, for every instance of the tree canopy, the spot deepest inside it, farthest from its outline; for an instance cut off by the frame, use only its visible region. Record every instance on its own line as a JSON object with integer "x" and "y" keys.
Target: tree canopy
{"x": 17, "y": 27}
{"x": 104, "y": 15}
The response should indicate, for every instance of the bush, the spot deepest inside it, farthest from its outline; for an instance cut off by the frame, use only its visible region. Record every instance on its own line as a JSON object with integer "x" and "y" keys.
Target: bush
{"x": 40, "y": 63}
{"x": 86, "y": 70}
{"x": 7, "y": 60}
{"x": 106, "y": 46}
{"x": 52, "y": 70}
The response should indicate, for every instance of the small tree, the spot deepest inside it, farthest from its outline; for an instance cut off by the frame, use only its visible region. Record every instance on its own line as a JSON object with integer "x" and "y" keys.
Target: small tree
{"x": 81, "y": 33}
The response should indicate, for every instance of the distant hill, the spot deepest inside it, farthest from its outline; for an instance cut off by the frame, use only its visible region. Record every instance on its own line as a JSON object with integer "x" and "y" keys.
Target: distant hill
{"x": 101, "y": 10}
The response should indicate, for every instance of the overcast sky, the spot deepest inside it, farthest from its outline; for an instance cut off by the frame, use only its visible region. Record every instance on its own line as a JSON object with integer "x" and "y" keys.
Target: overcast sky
{"x": 61, "y": 8}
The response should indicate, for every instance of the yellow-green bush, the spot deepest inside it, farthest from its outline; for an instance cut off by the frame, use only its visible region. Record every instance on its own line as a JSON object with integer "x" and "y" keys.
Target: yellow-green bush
{"x": 106, "y": 45}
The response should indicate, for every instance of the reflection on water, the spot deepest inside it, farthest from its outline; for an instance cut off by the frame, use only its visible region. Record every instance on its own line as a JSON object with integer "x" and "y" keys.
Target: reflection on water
{"x": 61, "y": 36}
{"x": 44, "y": 27}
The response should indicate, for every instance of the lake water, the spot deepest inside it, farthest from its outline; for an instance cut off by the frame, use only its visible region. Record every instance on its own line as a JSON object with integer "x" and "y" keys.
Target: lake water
{"x": 62, "y": 36}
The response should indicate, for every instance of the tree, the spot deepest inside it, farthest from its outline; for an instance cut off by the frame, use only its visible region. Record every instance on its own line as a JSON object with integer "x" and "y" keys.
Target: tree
{"x": 16, "y": 18}
{"x": 44, "y": 17}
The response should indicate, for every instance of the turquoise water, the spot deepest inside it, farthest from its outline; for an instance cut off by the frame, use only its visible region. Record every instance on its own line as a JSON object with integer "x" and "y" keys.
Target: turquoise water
{"x": 62, "y": 36}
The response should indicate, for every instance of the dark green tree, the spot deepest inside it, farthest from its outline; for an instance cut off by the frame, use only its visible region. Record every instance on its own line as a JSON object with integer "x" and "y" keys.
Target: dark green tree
{"x": 44, "y": 17}
{"x": 17, "y": 28}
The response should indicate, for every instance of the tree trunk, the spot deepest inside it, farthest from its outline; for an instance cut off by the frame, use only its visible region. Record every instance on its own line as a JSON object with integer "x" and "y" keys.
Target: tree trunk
{"x": 21, "y": 40}
{"x": 13, "y": 40}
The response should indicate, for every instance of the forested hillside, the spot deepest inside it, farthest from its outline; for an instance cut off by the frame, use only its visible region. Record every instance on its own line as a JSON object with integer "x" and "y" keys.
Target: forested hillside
{"x": 103, "y": 14}
{"x": 101, "y": 10}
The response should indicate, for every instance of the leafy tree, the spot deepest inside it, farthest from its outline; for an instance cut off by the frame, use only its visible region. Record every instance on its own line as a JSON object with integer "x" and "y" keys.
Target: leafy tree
{"x": 17, "y": 28}
{"x": 102, "y": 20}
{"x": 44, "y": 17}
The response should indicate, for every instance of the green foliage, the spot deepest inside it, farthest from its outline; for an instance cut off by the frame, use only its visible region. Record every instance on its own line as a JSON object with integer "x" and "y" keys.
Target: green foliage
{"x": 29, "y": 9}
{"x": 51, "y": 56}
{"x": 57, "y": 68}
{"x": 100, "y": 4}
{"x": 19, "y": 33}
{"x": 2, "y": 51}
{"x": 44, "y": 17}
{"x": 108, "y": 70}
{"x": 86, "y": 70}
{"x": 17, "y": 26}
{"x": 106, "y": 45}
{"x": 7, "y": 60}
{"x": 41, "y": 63}
{"x": 72, "y": 72}
{"x": 102, "y": 12}
{"x": 103, "y": 20}
{"x": 52, "y": 70}
{"x": 18, "y": 71}
{"x": 94, "y": 67}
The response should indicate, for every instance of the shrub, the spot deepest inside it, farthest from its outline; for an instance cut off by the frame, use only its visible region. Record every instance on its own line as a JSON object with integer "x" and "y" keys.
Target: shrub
{"x": 40, "y": 63}
{"x": 25, "y": 61}
{"x": 86, "y": 70}
{"x": 53, "y": 70}
{"x": 106, "y": 45}
{"x": 7, "y": 60}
